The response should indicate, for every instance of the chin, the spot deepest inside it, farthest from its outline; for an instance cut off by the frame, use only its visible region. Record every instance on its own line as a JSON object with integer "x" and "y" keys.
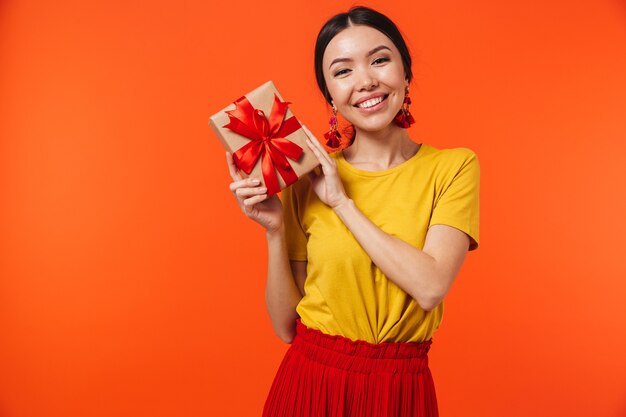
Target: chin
{"x": 374, "y": 125}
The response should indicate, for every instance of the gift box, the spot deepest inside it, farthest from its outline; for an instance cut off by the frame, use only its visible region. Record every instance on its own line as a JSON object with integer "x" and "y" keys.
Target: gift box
{"x": 265, "y": 138}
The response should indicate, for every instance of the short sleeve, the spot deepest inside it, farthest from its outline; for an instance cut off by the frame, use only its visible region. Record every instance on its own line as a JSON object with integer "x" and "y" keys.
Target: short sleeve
{"x": 294, "y": 232}
{"x": 458, "y": 202}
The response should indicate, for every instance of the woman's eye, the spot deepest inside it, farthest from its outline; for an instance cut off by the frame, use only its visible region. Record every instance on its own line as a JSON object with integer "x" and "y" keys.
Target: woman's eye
{"x": 341, "y": 72}
{"x": 380, "y": 60}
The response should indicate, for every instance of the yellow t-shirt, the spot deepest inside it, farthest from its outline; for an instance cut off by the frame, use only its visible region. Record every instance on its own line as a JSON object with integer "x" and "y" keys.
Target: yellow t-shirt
{"x": 345, "y": 292}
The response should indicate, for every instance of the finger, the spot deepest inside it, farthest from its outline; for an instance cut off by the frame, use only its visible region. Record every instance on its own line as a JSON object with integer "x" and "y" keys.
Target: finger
{"x": 316, "y": 152}
{"x": 308, "y": 132}
{"x": 249, "y": 202}
{"x": 247, "y": 183}
{"x": 322, "y": 152}
{"x": 324, "y": 160}
{"x": 248, "y": 192}
{"x": 232, "y": 168}
{"x": 316, "y": 142}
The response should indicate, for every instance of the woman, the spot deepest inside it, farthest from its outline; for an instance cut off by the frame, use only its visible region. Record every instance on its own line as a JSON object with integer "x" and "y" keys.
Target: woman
{"x": 363, "y": 252}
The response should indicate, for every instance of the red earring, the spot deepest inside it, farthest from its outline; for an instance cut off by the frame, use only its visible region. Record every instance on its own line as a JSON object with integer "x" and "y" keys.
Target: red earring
{"x": 404, "y": 118}
{"x": 333, "y": 136}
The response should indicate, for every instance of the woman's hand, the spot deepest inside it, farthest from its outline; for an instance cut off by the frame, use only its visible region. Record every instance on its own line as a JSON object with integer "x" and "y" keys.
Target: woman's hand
{"x": 327, "y": 185}
{"x": 253, "y": 201}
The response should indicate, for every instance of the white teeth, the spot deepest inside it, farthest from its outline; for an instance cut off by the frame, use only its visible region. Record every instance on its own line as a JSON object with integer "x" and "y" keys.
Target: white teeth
{"x": 370, "y": 102}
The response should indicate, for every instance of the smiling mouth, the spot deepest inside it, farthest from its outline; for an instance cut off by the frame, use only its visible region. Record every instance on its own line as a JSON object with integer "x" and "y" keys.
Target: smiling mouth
{"x": 371, "y": 102}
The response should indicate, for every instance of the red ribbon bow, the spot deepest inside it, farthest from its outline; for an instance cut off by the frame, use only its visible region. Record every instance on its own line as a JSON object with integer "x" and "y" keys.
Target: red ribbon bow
{"x": 268, "y": 141}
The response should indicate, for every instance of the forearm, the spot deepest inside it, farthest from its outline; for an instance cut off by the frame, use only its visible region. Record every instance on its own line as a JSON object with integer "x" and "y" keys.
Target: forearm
{"x": 409, "y": 268}
{"x": 281, "y": 292}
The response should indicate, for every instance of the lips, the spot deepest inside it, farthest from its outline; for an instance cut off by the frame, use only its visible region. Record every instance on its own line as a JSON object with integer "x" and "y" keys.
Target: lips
{"x": 370, "y": 101}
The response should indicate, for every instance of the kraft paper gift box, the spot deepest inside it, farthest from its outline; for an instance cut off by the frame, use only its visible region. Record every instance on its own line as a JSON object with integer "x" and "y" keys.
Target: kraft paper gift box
{"x": 266, "y": 140}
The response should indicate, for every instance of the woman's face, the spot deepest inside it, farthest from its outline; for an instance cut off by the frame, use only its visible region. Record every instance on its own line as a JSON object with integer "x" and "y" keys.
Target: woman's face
{"x": 365, "y": 77}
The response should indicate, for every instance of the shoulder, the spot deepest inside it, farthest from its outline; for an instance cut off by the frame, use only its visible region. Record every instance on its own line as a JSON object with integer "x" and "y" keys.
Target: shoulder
{"x": 462, "y": 154}
{"x": 451, "y": 160}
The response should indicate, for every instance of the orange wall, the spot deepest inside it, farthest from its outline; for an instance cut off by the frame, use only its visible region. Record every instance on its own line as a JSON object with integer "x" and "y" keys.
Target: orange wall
{"x": 132, "y": 285}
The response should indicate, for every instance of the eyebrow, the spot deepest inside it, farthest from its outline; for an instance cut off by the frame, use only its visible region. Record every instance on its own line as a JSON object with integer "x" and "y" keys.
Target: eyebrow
{"x": 370, "y": 53}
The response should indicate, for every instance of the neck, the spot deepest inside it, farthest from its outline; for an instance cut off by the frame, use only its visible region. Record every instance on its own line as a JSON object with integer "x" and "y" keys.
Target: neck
{"x": 381, "y": 150}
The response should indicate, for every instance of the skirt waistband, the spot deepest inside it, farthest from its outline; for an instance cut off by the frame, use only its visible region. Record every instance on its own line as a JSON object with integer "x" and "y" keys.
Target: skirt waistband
{"x": 359, "y": 355}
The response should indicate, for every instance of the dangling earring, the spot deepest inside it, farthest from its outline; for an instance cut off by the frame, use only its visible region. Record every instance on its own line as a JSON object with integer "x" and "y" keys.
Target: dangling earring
{"x": 332, "y": 136}
{"x": 404, "y": 118}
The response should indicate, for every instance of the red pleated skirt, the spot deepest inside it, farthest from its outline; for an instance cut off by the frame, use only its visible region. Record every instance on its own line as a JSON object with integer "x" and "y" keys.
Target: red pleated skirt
{"x": 332, "y": 376}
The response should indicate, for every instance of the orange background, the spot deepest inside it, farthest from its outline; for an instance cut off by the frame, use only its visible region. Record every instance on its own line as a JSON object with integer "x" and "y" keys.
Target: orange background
{"x": 132, "y": 285}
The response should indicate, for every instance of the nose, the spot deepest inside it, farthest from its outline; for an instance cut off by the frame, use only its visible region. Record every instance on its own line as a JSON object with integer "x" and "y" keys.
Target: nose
{"x": 367, "y": 81}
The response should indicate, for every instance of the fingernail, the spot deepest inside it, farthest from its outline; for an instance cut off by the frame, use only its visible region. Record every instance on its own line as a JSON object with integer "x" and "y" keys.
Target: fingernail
{"x": 262, "y": 189}
{"x": 255, "y": 181}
